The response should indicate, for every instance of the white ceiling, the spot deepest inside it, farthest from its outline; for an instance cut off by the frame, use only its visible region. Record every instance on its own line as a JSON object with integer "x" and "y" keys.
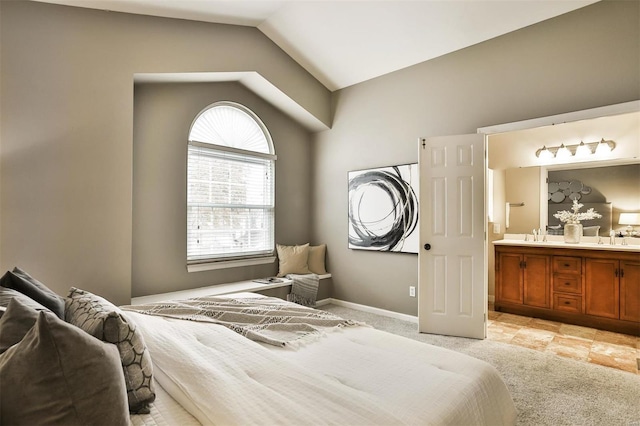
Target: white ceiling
{"x": 344, "y": 42}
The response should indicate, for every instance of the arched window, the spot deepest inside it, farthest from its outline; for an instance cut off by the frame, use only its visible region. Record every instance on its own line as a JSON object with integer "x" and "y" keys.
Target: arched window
{"x": 230, "y": 188}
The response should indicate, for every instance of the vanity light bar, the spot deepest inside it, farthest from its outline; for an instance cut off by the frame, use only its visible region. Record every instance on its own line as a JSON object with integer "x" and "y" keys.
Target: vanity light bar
{"x": 577, "y": 150}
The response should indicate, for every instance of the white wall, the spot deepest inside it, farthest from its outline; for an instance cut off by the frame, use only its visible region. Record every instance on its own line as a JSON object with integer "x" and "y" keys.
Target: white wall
{"x": 570, "y": 63}
{"x": 67, "y": 128}
{"x": 523, "y": 186}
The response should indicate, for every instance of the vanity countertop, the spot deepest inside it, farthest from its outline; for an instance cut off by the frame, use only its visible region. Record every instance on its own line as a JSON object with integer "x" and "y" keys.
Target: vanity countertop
{"x": 587, "y": 243}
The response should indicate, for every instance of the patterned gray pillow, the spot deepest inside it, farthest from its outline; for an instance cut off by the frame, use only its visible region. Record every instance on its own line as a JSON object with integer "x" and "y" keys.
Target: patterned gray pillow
{"x": 103, "y": 320}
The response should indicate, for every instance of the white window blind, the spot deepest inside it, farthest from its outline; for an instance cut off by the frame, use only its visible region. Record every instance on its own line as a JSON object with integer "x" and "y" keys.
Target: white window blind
{"x": 230, "y": 187}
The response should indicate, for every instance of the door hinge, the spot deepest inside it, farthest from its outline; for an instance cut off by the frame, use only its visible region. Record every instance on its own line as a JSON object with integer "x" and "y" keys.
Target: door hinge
{"x": 423, "y": 142}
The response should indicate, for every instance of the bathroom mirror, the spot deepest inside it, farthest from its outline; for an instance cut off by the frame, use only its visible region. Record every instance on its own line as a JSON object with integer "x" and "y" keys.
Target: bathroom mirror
{"x": 536, "y": 189}
{"x": 609, "y": 190}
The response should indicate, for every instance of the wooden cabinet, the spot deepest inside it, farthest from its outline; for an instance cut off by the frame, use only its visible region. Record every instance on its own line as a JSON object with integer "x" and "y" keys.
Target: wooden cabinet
{"x": 602, "y": 287}
{"x": 567, "y": 284}
{"x": 594, "y": 288}
{"x": 613, "y": 287}
{"x": 525, "y": 279}
{"x": 630, "y": 291}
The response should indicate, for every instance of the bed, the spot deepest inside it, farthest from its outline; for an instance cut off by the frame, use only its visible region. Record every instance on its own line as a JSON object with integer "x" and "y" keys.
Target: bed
{"x": 347, "y": 375}
{"x": 206, "y": 372}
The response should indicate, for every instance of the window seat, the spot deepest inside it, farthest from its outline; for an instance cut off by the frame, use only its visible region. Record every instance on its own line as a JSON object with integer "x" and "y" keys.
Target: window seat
{"x": 215, "y": 290}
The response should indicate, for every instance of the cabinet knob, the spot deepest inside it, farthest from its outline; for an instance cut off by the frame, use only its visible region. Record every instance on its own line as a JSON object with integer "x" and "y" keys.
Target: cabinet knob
{"x": 567, "y": 283}
{"x": 566, "y": 302}
{"x": 566, "y": 265}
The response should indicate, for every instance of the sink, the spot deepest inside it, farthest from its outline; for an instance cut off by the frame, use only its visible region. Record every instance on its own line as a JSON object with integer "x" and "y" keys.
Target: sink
{"x": 557, "y": 241}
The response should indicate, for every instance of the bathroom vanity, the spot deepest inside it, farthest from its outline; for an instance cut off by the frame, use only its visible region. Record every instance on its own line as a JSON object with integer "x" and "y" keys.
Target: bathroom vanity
{"x": 589, "y": 284}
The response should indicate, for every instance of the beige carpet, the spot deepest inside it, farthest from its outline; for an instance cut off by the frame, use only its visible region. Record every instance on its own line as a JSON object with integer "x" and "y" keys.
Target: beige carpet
{"x": 546, "y": 389}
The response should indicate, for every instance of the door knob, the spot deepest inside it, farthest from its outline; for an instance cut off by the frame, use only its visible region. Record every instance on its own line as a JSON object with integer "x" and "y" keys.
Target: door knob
{"x": 427, "y": 246}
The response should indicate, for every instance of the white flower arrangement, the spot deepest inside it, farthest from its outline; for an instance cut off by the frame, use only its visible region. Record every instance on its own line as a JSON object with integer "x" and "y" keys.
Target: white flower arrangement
{"x": 575, "y": 216}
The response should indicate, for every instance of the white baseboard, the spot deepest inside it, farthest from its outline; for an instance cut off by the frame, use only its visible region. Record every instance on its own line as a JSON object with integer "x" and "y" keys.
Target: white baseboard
{"x": 370, "y": 309}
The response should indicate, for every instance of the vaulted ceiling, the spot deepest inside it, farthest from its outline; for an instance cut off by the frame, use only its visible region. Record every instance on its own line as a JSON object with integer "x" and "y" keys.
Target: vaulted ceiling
{"x": 345, "y": 42}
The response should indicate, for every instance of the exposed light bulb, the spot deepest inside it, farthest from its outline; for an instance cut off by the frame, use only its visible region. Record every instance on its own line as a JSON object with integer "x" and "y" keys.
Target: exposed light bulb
{"x": 545, "y": 154}
{"x": 563, "y": 152}
{"x": 603, "y": 148}
{"x": 583, "y": 150}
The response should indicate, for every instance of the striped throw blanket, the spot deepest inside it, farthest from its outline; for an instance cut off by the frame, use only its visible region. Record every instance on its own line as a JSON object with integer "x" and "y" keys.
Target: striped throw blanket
{"x": 263, "y": 319}
{"x": 304, "y": 289}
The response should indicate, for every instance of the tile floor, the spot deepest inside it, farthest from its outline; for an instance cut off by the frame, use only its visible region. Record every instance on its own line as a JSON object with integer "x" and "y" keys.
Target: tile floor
{"x": 606, "y": 348}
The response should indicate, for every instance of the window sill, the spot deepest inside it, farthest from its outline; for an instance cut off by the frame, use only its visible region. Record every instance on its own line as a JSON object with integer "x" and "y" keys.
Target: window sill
{"x": 224, "y": 264}
{"x": 215, "y": 290}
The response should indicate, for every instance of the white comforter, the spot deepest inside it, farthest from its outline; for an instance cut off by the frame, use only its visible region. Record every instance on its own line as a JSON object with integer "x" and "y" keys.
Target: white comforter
{"x": 354, "y": 376}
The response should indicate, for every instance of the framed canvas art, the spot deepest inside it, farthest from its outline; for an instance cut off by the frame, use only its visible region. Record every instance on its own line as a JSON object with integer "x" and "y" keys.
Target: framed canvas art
{"x": 383, "y": 209}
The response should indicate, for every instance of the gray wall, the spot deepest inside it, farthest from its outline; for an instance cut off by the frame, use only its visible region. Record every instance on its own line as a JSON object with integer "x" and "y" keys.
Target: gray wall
{"x": 163, "y": 114}
{"x": 66, "y": 150}
{"x": 67, "y": 117}
{"x": 584, "y": 59}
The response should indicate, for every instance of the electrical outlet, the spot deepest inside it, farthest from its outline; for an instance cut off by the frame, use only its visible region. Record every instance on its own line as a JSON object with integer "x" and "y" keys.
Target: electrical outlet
{"x": 496, "y": 228}
{"x": 412, "y": 291}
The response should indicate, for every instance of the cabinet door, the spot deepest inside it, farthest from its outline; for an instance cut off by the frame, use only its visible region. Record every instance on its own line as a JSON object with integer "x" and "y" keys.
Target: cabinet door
{"x": 602, "y": 288}
{"x": 630, "y": 291}
{"x": 510, "y": 285}
{"x": 536, "y": 281}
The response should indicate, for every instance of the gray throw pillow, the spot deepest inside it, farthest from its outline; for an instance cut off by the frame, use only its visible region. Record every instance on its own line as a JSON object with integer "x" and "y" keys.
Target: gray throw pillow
{"x": 27, "y": 285}
{"x": 102, "y": 319}
{"x": 16, "y": 323}
{"x": 8, "y": 294}
{"x": 58, "y": 374}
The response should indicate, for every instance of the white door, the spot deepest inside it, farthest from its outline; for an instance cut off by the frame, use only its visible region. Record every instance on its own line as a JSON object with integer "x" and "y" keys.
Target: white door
{"x": 452, "y": 292}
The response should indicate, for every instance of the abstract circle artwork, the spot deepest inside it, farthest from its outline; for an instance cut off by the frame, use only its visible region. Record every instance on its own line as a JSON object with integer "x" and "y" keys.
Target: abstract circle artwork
{"x": 383, "y": 209}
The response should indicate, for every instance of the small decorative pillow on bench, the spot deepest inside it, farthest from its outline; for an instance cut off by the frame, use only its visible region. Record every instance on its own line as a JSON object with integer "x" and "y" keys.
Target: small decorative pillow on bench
{"x": 301, "y": 259}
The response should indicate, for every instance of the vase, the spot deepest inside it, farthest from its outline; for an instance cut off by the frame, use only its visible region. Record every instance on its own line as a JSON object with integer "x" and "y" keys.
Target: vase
{"x": 572, "y": 233}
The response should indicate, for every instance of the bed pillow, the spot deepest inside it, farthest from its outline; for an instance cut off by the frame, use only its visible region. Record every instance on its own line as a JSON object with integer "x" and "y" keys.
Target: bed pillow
{"x": 16, "y": 323}
{"x": 58, "y": 374}
{"x": 8, "y": 294}
{"x": 29, "y": 286}
{"x": 316, "y": 259}
{"x": 101, "y": 319}
{"x": 293, "y": 259}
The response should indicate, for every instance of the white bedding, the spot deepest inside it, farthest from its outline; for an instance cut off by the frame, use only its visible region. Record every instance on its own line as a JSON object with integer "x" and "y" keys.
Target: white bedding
{"x": 165, "y": 411}
{"x": 352, "y": 376}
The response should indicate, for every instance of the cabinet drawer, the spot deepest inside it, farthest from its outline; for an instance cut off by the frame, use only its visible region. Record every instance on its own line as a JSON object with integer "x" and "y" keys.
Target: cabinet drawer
{"x": 567, "y": 265}
{"x": 567, "y": 283}
{"x": 567, "y": 302}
